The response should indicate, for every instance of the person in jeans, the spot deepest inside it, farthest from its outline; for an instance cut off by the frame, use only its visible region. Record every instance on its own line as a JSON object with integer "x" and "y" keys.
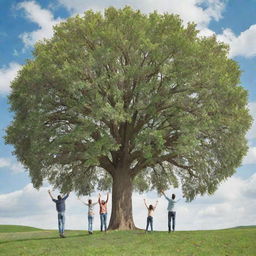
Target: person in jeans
{"x": 103, "y": 212}
{"x": 171, "y": 211}
{"x": 151, "y": 209}
{"x": 90, "y": 214}
{"x": 60, "y": 207}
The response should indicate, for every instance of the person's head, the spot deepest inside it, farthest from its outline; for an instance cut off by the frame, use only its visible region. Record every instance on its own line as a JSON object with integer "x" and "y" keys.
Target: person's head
{"x": 103, "y": 202}
{"x": 89, "y": 201}
{"x": 151, "y": 207}
{"x": 59, "y": 197}
{"x": 173, "y": 196}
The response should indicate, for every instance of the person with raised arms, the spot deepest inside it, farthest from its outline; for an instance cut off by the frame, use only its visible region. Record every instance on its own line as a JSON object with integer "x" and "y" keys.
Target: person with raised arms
{"x": 60, "y": 208}
{"x": 90, "y": 205}
{"x": 171, "y": 211}
{"x": 151, "y": 210}
{"x": 103, "y": 212}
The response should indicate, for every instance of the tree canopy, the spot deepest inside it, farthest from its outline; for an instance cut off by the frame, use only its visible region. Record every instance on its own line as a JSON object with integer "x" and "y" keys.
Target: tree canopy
{"x": 129, "y": 93}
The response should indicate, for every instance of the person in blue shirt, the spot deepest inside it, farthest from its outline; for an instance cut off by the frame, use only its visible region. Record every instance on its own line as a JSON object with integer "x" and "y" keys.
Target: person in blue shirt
{"x": 60, "y": 207}
{"x": 171, "y": 211}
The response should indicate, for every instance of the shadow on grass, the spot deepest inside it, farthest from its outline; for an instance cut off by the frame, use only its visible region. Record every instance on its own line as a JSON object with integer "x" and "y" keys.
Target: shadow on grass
{"x": 41, "y": 238}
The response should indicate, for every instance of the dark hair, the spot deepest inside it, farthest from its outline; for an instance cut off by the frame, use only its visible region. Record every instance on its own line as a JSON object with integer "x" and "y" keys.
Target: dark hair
{"x": 103, "y": 202}
{"x": 173, "y": 196}
{"x": 90, "y": 201}
{"x": 59, "y": 197}
{"x": 151, "y": 207}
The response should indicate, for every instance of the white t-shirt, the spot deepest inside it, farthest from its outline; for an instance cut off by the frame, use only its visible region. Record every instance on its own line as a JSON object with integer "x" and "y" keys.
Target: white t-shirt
{"x": 90, "y": 208}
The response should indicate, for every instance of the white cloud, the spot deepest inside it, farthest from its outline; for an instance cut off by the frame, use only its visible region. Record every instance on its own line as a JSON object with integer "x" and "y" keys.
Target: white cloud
{"x": 4, "y": 162}
{"x": 204, "y": 31}
{"x": 232, "y": 205}
{"x": 250, "y": 158}
{"x": 7, "y": 74}
{"x": 241, "y": 45}
{"x": 14, "y": 166}
{"x": 42, "y": 17}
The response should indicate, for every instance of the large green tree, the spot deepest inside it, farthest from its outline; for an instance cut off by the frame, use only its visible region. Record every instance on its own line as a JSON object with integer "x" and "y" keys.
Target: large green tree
{"x": 131, "y": 101}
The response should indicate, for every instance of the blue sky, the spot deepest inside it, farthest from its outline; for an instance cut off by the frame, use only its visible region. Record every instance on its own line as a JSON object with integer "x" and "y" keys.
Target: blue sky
{"x": 22, "y": 23}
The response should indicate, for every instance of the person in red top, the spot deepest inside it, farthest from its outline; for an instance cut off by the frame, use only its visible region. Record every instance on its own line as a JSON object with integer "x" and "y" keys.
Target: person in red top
{"x": 103, "y": 212}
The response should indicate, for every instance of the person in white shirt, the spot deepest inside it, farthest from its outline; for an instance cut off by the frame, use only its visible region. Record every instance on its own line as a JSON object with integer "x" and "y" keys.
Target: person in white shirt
{"x": 171, "y": 211}
{"x": 90, "y": 214}
{"x": 151, "y": 209}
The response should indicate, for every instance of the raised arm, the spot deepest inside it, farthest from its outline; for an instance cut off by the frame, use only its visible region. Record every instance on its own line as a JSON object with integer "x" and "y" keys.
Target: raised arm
{"x": 145, "y": 203}
{"x": 49, "y": 192}
{"x": 165, "y": 195}
{"x": 82, "y": 201}
{"x": 156, "y": 204}
{"x": 66, "y": 196}
{"x": 99, "y": 198}
{"x": 162, "y": 192}
{"x": 107, "y": 197}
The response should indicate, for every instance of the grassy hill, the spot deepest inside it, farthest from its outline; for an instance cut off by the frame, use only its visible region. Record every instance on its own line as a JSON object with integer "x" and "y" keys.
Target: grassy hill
{"x": 229, "y": 242}
{"x": 252, "y": 226}
{"x": 15, "y": 228}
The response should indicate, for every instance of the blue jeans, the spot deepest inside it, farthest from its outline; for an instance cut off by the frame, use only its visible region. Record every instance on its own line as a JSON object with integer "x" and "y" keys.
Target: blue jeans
{"x": 61, "y": 222}
{"x": 171, "y": 218}
{"x": 149, "y": 221}
{"x": 90, "y": 222}
{"x": 103, "y": 221}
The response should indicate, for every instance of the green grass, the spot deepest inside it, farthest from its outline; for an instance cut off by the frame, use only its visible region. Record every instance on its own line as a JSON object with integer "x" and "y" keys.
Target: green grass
{"x": 229, "y": 242}
{"x": 14, "y": 228}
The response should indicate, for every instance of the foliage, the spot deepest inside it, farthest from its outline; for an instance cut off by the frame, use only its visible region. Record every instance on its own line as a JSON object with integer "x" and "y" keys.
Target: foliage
{"x": 129, "y": 92}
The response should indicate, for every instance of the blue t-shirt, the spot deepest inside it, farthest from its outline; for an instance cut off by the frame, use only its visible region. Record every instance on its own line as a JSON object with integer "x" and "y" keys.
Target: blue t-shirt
{"x": 60, "y": 204}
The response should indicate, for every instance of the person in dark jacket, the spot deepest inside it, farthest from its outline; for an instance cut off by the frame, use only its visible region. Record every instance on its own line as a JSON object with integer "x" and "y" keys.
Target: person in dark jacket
{"x": 60, "y": 207}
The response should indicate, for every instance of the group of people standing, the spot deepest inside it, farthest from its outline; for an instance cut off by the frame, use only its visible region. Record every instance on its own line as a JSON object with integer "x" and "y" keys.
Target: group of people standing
{"x": 60, "y": 207}
{"x": 170, "y": 209}
{"x": 103, "y": 213}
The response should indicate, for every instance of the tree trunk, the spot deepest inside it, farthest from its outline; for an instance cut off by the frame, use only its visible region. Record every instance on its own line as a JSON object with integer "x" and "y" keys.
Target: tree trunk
{"x": 121, "y": 215}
